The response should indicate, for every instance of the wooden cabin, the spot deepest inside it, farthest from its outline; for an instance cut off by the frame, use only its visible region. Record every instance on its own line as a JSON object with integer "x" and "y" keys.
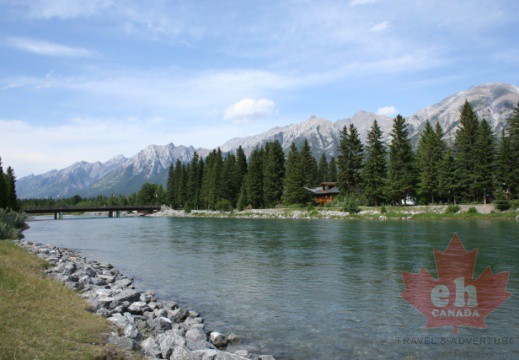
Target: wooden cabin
{"x": 325, "y": 193}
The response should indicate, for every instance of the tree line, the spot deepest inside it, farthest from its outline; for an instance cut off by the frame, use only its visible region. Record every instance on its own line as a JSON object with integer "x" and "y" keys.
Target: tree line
{"x": 476, "y": 167}
{"x": 8, "y": 199}
{"x": 149, "y": 194}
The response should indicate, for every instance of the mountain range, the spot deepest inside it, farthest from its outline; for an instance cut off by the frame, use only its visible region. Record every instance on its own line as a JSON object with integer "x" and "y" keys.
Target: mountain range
{"x": 493, "y": 102}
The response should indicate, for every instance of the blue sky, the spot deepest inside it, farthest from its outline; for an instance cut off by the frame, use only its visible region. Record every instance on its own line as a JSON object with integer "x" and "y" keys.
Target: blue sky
{"x": 88, "y": 80}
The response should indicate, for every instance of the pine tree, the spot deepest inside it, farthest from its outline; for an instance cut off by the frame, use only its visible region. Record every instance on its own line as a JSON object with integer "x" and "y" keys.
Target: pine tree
{"x": 402, "y": 174}
{"x": 294, "y": 192}
{"x": 229, "y": 190}
{"x": 429, "y": 155}
{"x": 513, "y": 133}
{"x": 10, "y": 182}
{"x": 332, "y": 167}
{"x": 323, "y": 169}
{"x": 273, "y": 174}
{"x": 350, "y": 161}
{"x": 255, "y": 178}
{"x": 505, "y": 165}
{"x": 170, "y": 185}
{"x": 447, "y": 181}
{"x": 3, "y": 190}
{"x": 375, "y": 168}
{"x": 194, "y": 182}
{"x": 464, "y": 152}
{"x": 484, "y": 167}
{"x": 309, "y": 166}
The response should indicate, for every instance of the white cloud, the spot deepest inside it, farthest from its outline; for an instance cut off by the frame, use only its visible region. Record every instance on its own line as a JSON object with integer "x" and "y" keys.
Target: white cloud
{"x": 387, "y": 111}
{"x": 249, "y": 109}
{"x": 380, "y": 26}
{"x": 47, "y": 48}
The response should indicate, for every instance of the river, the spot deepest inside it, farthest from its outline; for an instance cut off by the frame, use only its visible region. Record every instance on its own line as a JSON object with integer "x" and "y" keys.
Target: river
{"x": 316, "y": 289}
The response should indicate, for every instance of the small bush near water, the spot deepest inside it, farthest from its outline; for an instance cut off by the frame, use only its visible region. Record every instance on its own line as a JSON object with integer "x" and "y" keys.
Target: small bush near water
{"x": 350, "y": 205}
{"x": 11, "y": 224}
{"x": 472, "y": 210}
{"x": 452, "y": 209}
{"x": 502, "y": 205}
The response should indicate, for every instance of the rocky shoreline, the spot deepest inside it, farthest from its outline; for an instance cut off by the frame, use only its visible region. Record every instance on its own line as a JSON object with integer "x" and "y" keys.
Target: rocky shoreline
{"x": 158, "y": 328}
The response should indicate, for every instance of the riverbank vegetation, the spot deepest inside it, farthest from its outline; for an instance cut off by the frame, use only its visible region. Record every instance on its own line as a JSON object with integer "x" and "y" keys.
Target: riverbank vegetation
{"x": 41, "y": 318}
{"x": 11, "y": 224}
{"x": 8, "y": 199}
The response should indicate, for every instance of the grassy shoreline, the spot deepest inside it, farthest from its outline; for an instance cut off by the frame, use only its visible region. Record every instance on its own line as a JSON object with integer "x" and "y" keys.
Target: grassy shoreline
{"x": 431, "y": 212}
{"x": 40, "y": 318}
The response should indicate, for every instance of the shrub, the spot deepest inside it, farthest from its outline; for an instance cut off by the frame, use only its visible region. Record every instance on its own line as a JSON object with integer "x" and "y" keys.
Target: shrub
{"x": 350, "y": 205}
{"x": 187, "y": 208}
{"x": 502, "y": 205}
{"x": 11, "y": 224}
{"x": 223, "y": 205}
{"x": 452, "y": 209}
{"x": 472, "y": 210}
{"x": 383, "y": 209}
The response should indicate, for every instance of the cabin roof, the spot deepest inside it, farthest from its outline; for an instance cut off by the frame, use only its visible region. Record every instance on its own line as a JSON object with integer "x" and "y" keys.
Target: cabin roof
{"x": 319, "y": 190}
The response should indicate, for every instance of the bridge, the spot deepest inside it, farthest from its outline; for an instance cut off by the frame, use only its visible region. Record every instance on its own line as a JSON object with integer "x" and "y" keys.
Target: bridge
{"x": 111, "y": 209}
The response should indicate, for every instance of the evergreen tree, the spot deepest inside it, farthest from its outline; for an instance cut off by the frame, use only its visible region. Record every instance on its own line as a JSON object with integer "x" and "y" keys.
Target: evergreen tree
{"x": 375, "y": 168}
{"x": 241, "y": 168}
{"x": 332, "y": 168}
{"x": 255, "y": 178}
{"x": 194, "y": 181}
{"x": 465, "y": 151}
{"x": 273, "y": 174}
{"x": 170, "y": 186}
{"x": 294, "y": 192}
{"x": 402, "y": 174}
{"x": 309, "y": 166}
{"x": 10, "y": 189}
{"x": 505, "y": 165}
{"x": 513, "y": 133}
{"x": 323, "y": 169}
{"x": 350, "y": 161}
{"x": 484, "y": 167}
{"x": 3, "y": 190}
{"x": 230, "y": 191}
{"x": 243, "y": 200}
{"x": 447, "y": 182}
{"x": 429, "y": 155}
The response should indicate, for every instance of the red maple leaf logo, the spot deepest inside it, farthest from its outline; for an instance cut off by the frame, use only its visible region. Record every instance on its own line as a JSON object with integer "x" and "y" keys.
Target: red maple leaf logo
{"x": 455, "y": 298}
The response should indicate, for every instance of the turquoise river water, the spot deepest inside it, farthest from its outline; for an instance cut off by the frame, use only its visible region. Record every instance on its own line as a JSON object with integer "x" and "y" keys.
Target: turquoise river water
{"x": 316, "y": 289}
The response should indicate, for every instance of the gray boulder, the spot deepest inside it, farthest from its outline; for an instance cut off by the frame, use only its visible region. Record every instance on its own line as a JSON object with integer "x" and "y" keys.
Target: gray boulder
{"x": 138, "y": 307}
{"x": 127, "y": 295}
{"x": 168, "y": 341}
{"x": 196, "y": 339}
{"x": 182, "y": 353}
{"x": 151, "y": 348}
{"x": 217, "y": 339}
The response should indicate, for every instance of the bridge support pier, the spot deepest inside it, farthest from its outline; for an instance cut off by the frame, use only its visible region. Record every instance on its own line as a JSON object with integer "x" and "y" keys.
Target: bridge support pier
{"x": 110, "y": 214}
{"x": 58, "y": 215}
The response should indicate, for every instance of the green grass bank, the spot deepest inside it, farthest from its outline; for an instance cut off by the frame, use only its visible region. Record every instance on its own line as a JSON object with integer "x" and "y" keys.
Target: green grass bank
{"x": 42, "y": 319}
